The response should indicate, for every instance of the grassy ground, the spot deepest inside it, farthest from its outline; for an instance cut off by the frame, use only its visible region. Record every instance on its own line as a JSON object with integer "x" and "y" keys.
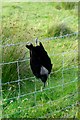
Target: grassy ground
{"x": 24, "y": 22}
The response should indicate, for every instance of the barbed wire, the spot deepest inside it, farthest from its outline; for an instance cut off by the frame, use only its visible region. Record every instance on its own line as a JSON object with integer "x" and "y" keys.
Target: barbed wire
{"x": 61, "y": 36}
{"x": 45, "y": 39}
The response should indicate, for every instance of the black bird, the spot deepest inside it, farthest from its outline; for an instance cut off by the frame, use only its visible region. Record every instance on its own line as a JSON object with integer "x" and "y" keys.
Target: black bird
{"x": 39, "y": 61}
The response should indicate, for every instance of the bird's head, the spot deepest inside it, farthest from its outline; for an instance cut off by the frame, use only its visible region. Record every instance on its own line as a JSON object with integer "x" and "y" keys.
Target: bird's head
{"x": 29, "y": 46}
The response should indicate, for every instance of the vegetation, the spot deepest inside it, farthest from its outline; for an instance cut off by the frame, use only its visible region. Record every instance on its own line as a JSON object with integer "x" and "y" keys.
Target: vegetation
{"x": 23, "y": 22}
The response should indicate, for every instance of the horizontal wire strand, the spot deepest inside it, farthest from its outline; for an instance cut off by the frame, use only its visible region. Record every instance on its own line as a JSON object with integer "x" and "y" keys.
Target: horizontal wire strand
{"x": 65, "y": 97}
{"x": 38, "y": 91}
{"x": 46, "y": 39}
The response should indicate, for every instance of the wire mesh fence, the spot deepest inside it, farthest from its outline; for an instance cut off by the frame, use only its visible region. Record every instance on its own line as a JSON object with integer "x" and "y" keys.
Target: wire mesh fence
{"x": 27, "y": 94}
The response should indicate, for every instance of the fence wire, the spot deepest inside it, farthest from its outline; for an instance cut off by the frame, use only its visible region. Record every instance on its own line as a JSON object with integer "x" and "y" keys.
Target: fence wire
{"x": 43, "y": 40}
{"x": 50, "y": 102}
{"x": 19, "y": 80}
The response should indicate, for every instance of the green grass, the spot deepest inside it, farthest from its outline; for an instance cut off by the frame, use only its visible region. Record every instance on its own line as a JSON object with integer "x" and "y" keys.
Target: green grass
{"x": 24, "y": 22}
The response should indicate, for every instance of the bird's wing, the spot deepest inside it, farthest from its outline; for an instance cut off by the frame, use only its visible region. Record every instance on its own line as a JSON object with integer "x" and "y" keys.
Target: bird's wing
{"x": 43, "y": 71}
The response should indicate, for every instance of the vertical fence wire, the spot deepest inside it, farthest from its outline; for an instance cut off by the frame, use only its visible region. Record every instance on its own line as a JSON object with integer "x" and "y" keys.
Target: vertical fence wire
{"x": 62, "y": 71}
{"x": 19, "y": 93}
{"x": 1, "y": 95}
{"x": 75, "y": 62}
{"x": 35, "y": 92}
{"x": 1, "y": 100}
{"x": 76, "y": 74}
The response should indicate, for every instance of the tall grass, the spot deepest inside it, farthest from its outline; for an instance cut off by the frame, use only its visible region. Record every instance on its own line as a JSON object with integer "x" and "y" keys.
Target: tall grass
{"x": 65, "y": 5}
{"x": 59, "y": 29}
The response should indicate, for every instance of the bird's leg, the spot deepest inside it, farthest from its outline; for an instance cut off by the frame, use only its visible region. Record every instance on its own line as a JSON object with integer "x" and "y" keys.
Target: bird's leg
{"x": 44, "y": 84}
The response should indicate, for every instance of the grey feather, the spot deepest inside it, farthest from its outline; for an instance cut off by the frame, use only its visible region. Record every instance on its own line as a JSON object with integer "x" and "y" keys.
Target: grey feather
{"x": 43, "y": 71}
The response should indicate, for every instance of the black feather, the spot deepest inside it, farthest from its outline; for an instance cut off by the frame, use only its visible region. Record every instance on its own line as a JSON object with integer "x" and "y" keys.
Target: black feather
{"x": 40, "y": 62}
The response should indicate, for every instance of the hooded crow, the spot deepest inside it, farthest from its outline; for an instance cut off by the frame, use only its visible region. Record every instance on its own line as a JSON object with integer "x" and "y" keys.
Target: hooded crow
{"x": 39, "y": 61}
